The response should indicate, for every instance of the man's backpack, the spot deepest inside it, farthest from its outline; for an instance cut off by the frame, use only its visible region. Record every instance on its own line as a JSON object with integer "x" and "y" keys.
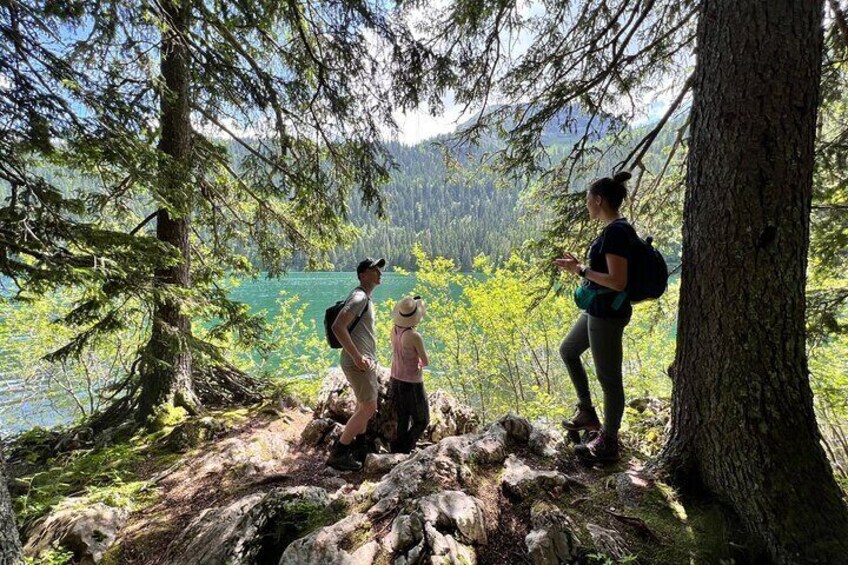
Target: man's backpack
{"x": 647, "y": 273}
{"x": 330, "y": 316}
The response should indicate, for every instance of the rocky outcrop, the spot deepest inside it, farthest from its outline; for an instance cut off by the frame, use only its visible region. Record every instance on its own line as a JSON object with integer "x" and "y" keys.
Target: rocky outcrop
{"x": 347, "y": 542}
{"x": 253, "y": 529}
{"x": 552, "y": 540}
{"x": 435, "y": 520}
{"x": 546, "y": 440}
{"x": 193, "y": 432}
{"x": 444, "y": 465}
{"x": 521, "y": 482}
{"x": 79, "y": 526}
{"x": 380, "y": 463}
{"x": 321, "y": 432}
{"x": 509, "y": 492}
{"x": 255, "y": 456}
{"x": 211, "y": 536}
{"x": 336, "y": 403}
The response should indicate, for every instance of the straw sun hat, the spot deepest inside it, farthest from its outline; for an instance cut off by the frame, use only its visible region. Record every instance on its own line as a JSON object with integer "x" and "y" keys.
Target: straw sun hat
{"x": 408, "y": 311}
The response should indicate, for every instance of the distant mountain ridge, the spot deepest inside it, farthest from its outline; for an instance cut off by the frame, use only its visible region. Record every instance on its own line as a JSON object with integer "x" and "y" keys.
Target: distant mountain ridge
{"x": 453, "y": 216}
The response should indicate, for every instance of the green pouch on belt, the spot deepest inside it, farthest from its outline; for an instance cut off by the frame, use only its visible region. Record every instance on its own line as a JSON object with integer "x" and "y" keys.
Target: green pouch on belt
{"x": 584, "y": 296}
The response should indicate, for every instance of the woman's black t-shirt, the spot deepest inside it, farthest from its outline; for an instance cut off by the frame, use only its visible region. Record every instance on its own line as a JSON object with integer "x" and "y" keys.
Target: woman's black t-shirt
{"x": 615, "y": 239}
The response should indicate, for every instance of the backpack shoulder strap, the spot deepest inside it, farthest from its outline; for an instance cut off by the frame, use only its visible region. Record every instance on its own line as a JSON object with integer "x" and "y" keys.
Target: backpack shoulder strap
{"x": 359, "y": 317}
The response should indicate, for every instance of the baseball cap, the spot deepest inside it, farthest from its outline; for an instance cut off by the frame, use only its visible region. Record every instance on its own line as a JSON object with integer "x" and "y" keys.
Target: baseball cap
{"x": 369, "y": 263}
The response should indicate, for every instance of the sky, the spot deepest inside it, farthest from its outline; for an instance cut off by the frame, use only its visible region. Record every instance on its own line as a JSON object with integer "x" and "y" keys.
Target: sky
{"x": 418, "y": 125}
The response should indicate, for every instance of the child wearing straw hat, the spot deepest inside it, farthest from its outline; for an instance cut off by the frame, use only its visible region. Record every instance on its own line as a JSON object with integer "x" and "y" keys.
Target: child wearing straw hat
{"x": 408, "y": 360}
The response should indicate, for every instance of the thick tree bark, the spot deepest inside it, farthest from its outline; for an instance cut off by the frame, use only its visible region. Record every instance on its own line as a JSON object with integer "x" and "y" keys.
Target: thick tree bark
{"x": 743, "y": 419}
{"x": 10, "y": 545}
{"x": 167, "y": 375}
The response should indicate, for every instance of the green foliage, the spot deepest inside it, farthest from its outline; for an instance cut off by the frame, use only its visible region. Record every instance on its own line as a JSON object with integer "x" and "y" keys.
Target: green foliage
{"x": 604, "y": 559}
{"x": 105, "y": 474}
{"x": 827, "y": 285}
{"x": 75, "y": 387}
{"x": 167, "y": 415}
{"x": 301, "y": 518}
{"x": 51, "y": 557}
{"x": 307, "y": 354}
{"x": 450, "y": 212}
{"x": 498, "y": 348}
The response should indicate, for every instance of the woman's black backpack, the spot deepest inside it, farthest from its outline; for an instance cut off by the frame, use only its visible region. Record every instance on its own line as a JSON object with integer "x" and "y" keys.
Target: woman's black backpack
{"x": 647, "y": 273}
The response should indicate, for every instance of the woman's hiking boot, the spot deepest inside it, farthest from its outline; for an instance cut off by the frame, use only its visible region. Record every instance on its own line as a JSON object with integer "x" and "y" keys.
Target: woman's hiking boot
{"x": 602, "y": 448}
{"x": 585, "y": 420}
{"x": 342, "y": 459}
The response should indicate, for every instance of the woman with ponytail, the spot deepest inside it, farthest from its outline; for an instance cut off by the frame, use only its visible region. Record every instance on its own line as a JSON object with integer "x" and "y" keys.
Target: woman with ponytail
{"x": 606, "y": 311}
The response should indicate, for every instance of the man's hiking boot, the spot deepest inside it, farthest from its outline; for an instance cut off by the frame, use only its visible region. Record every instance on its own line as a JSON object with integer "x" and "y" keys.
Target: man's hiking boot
{"x": 360, "y": 447}
{"x": 602, "y": 448}
{"x": 342, "y": 459}
{"x": 585, "y": 420}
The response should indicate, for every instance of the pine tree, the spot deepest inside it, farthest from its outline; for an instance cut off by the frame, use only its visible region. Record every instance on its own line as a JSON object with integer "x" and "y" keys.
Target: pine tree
{"x": 743, "y": 418}
{"x": 234, "y": 128}
{"x": 10, "y": 544}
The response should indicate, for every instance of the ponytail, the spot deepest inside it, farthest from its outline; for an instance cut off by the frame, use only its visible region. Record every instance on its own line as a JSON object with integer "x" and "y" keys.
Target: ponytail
{"x": 612, "y": 189}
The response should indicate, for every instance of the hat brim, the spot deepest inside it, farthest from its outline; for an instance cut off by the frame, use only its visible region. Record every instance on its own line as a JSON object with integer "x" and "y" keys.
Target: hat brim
{"x": 408, "y": 321}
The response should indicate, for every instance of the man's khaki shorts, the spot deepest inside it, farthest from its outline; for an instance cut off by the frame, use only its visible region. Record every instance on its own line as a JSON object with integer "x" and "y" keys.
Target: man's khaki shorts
{"x": 363, "y": 383}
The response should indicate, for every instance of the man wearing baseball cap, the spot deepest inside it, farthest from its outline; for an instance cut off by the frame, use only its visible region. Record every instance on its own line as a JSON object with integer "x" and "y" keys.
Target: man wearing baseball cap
{"x": 358, "y": 360}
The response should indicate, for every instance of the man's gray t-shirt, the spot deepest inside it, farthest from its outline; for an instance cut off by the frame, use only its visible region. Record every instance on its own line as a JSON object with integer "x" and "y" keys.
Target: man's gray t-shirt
{"x": 363, "y": 334}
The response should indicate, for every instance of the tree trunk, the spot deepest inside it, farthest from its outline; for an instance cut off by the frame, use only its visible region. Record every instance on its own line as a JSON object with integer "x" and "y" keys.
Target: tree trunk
{"x": 743, "y": 419}
{"x": 10, "y": 545}
{"x": 167, "y": 377}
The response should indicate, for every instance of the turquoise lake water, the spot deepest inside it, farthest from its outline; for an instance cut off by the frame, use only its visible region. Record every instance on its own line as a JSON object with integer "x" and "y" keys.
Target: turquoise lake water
{"x": 318, "y": 290}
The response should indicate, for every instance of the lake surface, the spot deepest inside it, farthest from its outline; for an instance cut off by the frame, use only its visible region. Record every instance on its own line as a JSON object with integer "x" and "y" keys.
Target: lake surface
{"x": 318, "y": 290}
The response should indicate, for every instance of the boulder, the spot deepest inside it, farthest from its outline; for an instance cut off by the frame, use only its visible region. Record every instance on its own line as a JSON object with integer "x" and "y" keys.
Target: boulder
{"x": 608, "y": 541}
{"x": 211, "y": 536}
{"x": 256, "y": 528}
{"x": 517, "y": 428}
{"x": 446, "y": 527}
{"x": 257, "y": 455}
{"x": 448, "y": 417}
{"x": 552, "y": 540}
{"x": 457, "y": 512}
{"x": 407, "y": 532}
{"x": 631, "y": 486}
{"x": 342, "y": 543}
{"x": 546, "y": 439}
{"x": 321, "y": 431}
{"x": 490, "y": 447}
{"x": 379, "y": 463}
{"x": 520, "y": 481}
{"x": 191, "y": 433}
{"x": 444, "y": 548}
{"x": 79, "y": 526}
{"x": 336, "y": 400}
